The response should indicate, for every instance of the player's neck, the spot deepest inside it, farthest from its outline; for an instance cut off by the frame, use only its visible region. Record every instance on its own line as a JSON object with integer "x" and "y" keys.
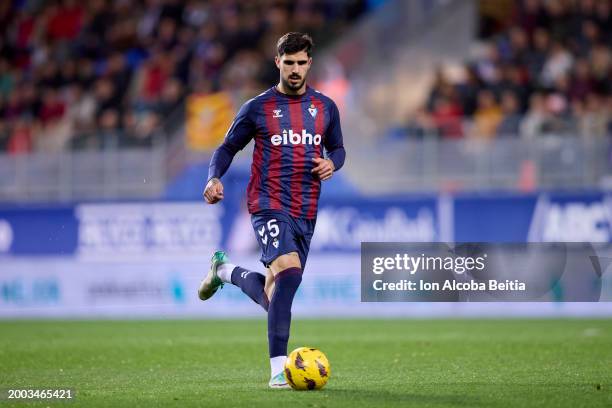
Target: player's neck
{"x": 280, "y": 88}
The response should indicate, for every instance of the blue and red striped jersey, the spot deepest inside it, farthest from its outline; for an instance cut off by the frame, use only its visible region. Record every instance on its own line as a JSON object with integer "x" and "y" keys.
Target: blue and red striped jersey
{"x": 289, "y": 131}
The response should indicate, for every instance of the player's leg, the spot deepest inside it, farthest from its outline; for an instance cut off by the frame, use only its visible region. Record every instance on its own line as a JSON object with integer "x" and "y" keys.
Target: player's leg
{"x": 222, "y": 271}
{"x": 279, "y": 285}
{"x": 276, "y": 234}
{"x": 283, "y": 262}
{"x": 271, "y": 230}
{"x": 284, "y": 281}
{"x": 212, "y": 282}
{"x": 252, "y": 283}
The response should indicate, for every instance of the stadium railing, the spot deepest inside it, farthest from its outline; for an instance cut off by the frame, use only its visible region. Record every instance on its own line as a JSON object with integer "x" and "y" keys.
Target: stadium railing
{"x": 83, "y": 175}
{"x": 506, "y": 163}
{"x": 428, "y": 165}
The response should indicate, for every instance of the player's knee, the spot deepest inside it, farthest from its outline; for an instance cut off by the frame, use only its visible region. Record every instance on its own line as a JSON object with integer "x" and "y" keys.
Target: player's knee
{"x": 290, "y": 260}
{"x": 269, "y": 285}
{"x": 286, "y": 284}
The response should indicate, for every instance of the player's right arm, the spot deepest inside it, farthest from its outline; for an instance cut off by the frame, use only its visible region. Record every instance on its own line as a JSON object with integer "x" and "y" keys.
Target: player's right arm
{"x": 237, "y": 137}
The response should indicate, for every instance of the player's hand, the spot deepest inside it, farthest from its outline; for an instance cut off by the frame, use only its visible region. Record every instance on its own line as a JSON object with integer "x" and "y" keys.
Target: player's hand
{"x": 324, "y": 168}
{"x": 213, "y": 192}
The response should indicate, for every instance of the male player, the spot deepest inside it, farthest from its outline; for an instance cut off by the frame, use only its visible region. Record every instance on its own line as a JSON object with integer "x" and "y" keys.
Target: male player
{"x": 291, "y": 124}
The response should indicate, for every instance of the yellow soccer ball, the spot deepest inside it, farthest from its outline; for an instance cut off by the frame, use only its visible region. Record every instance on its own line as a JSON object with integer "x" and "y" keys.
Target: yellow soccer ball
{"x": 307, "y": 369}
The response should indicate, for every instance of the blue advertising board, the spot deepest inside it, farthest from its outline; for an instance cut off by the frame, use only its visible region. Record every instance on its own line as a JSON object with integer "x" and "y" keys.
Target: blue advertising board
{"x": 192, "y": 229}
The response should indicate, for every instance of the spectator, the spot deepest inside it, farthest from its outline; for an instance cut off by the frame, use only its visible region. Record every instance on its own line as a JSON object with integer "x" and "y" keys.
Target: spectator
{"x": 421, "y": 125}
{"x": 30, "y": 101}
{"x": 140, "y": 130}
{"x": 488, "y": 115}
{"x": 518, "y": 52}
{"x": 49, "y": 76}
{"x": 510, "y": 124}
{"x": 152, "y": 77}
{"x": 581, "y": 82}
{"x": 4, "y": 134}
{"x": 437, "y": 89}
{"x": 108, "y": 137}
{"x": 513, "y": 82}
{"x": 20, "y": 140}
{"x": 468, "y": 90}
{"x": 170, "y": 98}
{"x": 81, "y": 107}
{"x": 594, "y": 122}
{"x": 601, "y": 64}
{"x": 447, "y": 117}
{"x": 53, "y": 108}
{"x": 589, "y": 36}
{"x": 535, "y": 120}
{"x": 603, "y": 17}
{"x": 14, "y": 106}
{"x": 560, "y": 121}
{"x": 86, "y": 73}
{"x": 536, "y": 57}
{"x": 65, "y": 21}
{"x": 7, "y": 80}
{"x": 558, "y": 63}
{"x": 107, "y": 96}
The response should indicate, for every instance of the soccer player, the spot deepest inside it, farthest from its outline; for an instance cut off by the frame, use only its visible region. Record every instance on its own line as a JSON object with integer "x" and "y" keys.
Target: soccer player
{"x": 291, "y": 123}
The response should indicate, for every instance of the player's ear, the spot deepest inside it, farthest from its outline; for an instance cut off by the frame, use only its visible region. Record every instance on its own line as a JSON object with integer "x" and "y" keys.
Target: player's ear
{"x": 277, "y": 61}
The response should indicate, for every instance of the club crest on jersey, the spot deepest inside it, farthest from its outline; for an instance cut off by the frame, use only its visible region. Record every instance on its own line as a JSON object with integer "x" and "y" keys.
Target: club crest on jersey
{"x": 295, "y": 138}
{"x": 312, "y": 110}
{"x": 276, "y": 113}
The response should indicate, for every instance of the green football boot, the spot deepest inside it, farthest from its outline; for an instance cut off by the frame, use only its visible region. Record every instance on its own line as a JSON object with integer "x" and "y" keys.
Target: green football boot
{"x": 279, "y": 381}
{"x": 211, "y": 283}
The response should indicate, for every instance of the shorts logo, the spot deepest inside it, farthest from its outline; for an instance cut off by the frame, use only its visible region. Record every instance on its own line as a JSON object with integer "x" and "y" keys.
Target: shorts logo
{"x": 276, "y": 113}
{"x": 272, "y": 231}
{"x": 275, "y": 243}
{"x": 291, "y": 137}
{"x": 244, "y": 274}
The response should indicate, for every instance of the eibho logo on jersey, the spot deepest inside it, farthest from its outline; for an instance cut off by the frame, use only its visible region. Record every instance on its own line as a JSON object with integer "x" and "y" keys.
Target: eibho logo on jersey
{"x": 291, "y": 137}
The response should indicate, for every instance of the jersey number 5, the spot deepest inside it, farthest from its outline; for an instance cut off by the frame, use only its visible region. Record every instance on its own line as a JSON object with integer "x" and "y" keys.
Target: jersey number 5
{"x": 272, "y": 228}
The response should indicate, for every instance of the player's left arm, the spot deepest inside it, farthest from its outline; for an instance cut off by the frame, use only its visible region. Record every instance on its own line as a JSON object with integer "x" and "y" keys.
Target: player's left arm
{"x": 334, "y": 146}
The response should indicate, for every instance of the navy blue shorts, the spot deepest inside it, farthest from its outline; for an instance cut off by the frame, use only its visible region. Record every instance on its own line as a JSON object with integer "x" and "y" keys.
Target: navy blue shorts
{"x": 278, "y": 233}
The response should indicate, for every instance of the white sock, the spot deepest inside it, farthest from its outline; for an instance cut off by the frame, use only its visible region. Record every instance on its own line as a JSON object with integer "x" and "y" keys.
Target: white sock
{"x": 277, "y": 364}
{"x": 225, "y": 272}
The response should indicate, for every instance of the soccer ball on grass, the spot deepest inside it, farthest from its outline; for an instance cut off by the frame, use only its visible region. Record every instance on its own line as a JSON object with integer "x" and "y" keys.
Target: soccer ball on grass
{"x": 307, "y": 369}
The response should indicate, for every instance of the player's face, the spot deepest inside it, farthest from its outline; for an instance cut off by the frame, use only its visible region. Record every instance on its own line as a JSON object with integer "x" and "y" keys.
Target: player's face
{"x": 293, "y": 70}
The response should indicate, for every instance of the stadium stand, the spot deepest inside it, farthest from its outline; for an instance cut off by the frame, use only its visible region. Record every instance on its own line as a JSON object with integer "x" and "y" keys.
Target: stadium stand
{"x": 546, "y": 70}
{"x": 104, "y": 74}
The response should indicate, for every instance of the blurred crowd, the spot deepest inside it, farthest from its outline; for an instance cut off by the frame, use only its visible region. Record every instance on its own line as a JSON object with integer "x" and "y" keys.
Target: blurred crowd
{"x": 107, "y": 73}
{"x": 549, "y": 71}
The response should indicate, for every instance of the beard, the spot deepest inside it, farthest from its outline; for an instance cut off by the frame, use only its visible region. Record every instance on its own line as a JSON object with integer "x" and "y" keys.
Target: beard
{"x": 294, "y": 87}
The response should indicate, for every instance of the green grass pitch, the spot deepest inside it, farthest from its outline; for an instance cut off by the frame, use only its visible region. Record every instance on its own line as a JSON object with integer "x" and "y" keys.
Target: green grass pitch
{"x": 375, "y": 363}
